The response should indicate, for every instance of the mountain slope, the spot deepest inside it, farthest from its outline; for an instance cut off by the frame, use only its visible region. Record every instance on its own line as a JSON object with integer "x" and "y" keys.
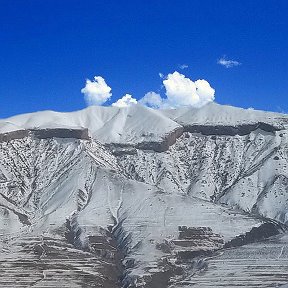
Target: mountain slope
{"x": 144, "y": 199}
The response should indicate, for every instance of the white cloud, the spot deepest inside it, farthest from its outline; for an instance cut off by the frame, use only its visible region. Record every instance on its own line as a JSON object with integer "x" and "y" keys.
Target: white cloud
{"x": 183, "y": 66}
{"x": 96, "y": 92}
{"x": 161, "y": 75}
{"x": 152, "y": 99}
{"x": 125, "y": 101}
{"x": 227, "y": 63}
{"x": 182, "y": 91}
{"x": 204, "y": 90}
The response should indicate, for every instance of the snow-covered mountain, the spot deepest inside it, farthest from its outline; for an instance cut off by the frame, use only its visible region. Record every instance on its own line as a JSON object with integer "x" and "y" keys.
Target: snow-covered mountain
{"x": 136, "y": 197}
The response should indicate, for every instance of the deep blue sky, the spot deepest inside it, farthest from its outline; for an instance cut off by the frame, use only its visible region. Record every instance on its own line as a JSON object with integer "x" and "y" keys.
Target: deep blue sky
{"x": 48, "y": 49}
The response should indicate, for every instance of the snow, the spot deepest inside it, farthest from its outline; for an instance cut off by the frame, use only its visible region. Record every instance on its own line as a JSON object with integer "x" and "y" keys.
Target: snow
{"x": 137, "y": 123}
{"x": 215, "y": 114}
{"x": 106, "y": 124}
{"x": 141, "y": 198}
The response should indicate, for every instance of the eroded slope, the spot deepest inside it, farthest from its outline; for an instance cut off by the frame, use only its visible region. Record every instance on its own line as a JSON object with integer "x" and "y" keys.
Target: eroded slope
{"x": 149, "y": 204}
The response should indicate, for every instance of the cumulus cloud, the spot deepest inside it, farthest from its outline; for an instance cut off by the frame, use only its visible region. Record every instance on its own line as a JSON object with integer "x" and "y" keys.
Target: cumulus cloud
{"x": 96, "y": 92}
{"x": 182, "y": 91}
{"x": 152, "y": 99}
{"x": 126, "y": 101}
{"x": 227, "y": 63}
{"x": 205, "y": 91}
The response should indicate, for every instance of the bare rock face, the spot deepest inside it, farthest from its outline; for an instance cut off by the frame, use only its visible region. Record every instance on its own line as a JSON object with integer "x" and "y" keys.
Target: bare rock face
{"x": 8, "y": 136}
{"x": 227, "y": 130}
{"x": 45, "y": 134}
{"x": 60, "y": 133}
{"x": 134, "y": 197}
{"x": 160, "y": 145}
{"x": 164, "y": 144}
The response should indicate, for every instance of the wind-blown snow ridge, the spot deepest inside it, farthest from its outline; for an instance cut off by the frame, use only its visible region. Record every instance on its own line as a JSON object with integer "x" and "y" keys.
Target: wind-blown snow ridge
{"x": 138, "y": 125}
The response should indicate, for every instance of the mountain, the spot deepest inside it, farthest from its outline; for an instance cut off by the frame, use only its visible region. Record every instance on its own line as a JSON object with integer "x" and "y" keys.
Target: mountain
{"x": 137, "y": 197}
